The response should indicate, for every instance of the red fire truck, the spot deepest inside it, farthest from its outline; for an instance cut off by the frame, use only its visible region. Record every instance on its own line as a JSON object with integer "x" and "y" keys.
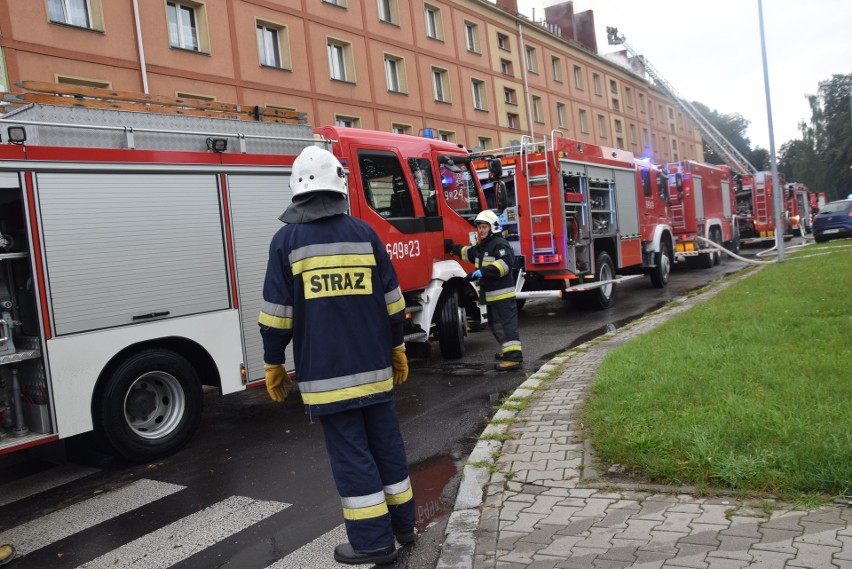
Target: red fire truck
{"x": 797, "y": 199}
{"x": 702, "y": 207}
{"x": 755, "y": 211}
{"x": 583, "y": 218}
{"x": 133, "y": 248}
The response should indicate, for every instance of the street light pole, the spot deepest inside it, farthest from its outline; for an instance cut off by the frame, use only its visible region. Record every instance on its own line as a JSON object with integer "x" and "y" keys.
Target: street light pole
{"x": 777, "y": 194}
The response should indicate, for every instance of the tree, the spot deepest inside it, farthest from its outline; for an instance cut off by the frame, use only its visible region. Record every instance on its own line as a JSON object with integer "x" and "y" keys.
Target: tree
{"x": 731, "y": 126}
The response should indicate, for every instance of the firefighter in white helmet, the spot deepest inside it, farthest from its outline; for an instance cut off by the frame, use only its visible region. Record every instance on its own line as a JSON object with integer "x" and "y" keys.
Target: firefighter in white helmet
{"x": 331, "y": 289}
{"x": 493, "y": 258}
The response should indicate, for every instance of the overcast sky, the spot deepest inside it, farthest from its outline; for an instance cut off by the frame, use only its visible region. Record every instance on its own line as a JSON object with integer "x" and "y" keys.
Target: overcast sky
{"x": 711, "y": 52}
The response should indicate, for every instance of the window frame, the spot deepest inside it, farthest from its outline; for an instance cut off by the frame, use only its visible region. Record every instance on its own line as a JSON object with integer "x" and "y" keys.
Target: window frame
{"x": 583, "y": 119}
{"x": 282, "y": 38}
{"x": 344, "y": 61}
{"x": 556, "y": 68}
{"x": 531, "y": 59}
{"x": 92, "y": 8}
{"x": 511, "y": 119}
{"x": 392, "y": 9}
{"x": 478, "y": 92}
{"x": 503, "y": 42}
{"x": 602, "y": 130}
{"x": 596, "y": 84}
{"x": 198, "y": 27}
{"x": 471, "y": 37}
{"x": 506, "y": 67}
{"x": 510, "y": 96}
{"x": 579, "y": 84}
{"x": 434, "y": 25}
{"x": 340, "y": 120}
{"x": 537, "y": 105}
{"x": 398, "y": 64}
{"x": 441, "y": 76}
{"x": 561, "y": 114}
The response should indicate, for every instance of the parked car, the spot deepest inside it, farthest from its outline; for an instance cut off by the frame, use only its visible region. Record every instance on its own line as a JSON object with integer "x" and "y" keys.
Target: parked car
{"x": 833, "y": 221}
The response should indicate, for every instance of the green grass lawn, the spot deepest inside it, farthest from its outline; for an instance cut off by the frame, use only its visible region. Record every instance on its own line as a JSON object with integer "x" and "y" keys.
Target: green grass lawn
{"x": 749, "y": 391}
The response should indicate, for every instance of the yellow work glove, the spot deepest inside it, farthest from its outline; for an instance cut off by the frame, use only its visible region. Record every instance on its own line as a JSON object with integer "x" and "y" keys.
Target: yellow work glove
{"x": 400, "y": 365}
{"x": 275, "y": 378}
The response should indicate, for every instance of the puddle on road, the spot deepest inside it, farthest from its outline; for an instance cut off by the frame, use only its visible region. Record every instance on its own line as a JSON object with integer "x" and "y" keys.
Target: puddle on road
{"x": 429, "y": 479}
{"x": 453, "y": 368}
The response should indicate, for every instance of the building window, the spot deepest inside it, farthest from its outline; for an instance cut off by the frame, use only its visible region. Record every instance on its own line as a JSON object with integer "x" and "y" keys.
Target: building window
{"x": 628, "y": 97}
{"x": 270, "y": 38}
{"x": 196, "y": 96}
{"x": 441, "y": 85}
{"x": 341, "y": 3}
{"x": 397, "y": 128}
{"x": 483, "y": 142}
{"x": 584, "y": 121}
{"x": 660, "y": 112}
{"x": 616, "y": 105}
{"x": 388, "y": 11}
{"x": 183, "y": 26}
{"x": 596, "y": 83}
{"x": 509, "y": 96}
{"x": 613, "y": 87}
{"x": 433, "y": 23}
{"x": 471, "y": 37}
{"x": 645, "y": 138}
{"x": 633, "y": 134}
{"x": 68, "y": 80}
{"x": 578, "y": 77}
{"x": 618, "y": 127}
{"x": 446, "y": 135}
{"x": 532, "y": 60}
{"x": 619, "y": 143}
{"x": 513, "y": 120}
{"x": 556, "y": 66}
{"x": 602, "y": 126}
{"x": 538, "y": 110}
{"x": 506, "y": 67}
{"x": 503, "y": 42}
{"x": 75, "y": 13}
{"x": 340, "y": 60}
{"x": 641, "y": 102}
{"x": 395, "y": 74}
{"x": 478, "y": 88}
{"x": 561, "y": 116}
{"x": 345, "y": 121}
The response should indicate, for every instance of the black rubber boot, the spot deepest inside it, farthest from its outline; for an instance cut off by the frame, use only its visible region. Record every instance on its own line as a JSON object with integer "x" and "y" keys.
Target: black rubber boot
{"x": 344, "y": 553}
{"x": 406, "y": 538}
{"x": 7, "y": 553}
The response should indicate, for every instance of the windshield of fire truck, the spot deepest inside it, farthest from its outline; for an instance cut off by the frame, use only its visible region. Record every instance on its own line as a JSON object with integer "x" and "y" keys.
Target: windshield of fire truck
{"x": 460, "y": 190}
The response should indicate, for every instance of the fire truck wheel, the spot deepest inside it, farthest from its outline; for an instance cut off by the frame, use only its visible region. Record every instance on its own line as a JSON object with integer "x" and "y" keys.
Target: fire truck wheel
{"x": 451, "y": 326}
{"x": 604, "y": 297}
{"x": 716, "y": 237}
{"x": 663, "y": 262}
{"x": 150, "y": 406}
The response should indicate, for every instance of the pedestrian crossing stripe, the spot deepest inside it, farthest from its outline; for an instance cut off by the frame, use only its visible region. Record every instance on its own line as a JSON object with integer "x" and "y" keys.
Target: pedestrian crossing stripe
{"x": 177, "y": 541}
{"x": 42, "y": 482}
{"x": 63, "y": 523}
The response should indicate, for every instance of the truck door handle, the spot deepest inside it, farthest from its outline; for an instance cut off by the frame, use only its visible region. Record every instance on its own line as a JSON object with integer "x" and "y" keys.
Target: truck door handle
{"x": 151, "y": 315}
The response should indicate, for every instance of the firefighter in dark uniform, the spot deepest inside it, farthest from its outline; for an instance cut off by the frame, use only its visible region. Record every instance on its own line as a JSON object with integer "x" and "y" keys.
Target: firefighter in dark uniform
{"x": 331, "y": 289}
{"x": 493, "y": 258}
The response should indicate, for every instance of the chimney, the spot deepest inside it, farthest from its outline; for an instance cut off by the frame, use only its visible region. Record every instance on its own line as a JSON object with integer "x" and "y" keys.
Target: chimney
{"x": 508, "y": 5}
{"x": 561, "y": 16}
{"x": 584, "y": 30}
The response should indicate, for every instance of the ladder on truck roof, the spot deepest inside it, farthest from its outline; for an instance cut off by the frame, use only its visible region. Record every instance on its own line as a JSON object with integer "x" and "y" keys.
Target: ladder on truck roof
{"x": 538, "y": 190}
{"x": 715, "y": 139}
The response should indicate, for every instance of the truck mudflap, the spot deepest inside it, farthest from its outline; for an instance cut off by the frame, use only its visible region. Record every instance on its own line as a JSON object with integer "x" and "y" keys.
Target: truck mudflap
{"x": 525, "y": 294}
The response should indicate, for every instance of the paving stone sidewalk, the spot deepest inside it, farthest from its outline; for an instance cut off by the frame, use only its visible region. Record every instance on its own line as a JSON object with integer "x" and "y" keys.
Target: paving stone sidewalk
{"x": 551, "y": 514}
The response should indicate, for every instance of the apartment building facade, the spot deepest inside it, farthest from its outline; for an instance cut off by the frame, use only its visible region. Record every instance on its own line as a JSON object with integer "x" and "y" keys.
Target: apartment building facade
{"x": 469, "y": 71}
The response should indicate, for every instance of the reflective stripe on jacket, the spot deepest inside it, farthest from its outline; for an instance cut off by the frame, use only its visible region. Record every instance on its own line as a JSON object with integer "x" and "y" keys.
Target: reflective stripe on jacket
{"x": 331, "y": 289}
{"x": 495, "y": 258}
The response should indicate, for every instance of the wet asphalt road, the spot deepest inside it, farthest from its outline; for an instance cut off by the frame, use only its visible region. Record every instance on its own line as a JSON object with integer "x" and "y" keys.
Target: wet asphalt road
{"x": 248, "y": 446}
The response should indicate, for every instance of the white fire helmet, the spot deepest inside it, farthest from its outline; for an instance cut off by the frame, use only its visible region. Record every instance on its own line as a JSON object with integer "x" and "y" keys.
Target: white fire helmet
{"x": 490, "y": 218}
{"x": 317, "y": 170}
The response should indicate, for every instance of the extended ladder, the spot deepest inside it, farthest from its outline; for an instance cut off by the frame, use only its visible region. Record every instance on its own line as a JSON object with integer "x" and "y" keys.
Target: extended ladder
{"x": 714, "y": 138}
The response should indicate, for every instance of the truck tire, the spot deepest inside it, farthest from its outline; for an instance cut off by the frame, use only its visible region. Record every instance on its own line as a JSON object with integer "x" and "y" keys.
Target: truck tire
{"x": 603, "y": 297}
{"x": 451, "y": 326}
{"x": 716, "y": 237}
{"x": 663, "y": 261}
{"x": 150, "y": 406}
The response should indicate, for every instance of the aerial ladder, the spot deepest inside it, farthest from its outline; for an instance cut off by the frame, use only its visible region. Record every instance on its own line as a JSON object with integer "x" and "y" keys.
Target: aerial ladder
{"x": 713, "y": 137}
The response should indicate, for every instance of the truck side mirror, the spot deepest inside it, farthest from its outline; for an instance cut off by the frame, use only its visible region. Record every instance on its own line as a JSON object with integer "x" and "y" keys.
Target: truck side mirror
{"x": 502, "y": 195}
{"x": 679, "y": 183}
{"x": 495, "y": 167}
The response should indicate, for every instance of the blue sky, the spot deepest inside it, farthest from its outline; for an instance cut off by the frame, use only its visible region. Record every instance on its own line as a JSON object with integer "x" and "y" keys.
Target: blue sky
{"x": 711, "y": 51}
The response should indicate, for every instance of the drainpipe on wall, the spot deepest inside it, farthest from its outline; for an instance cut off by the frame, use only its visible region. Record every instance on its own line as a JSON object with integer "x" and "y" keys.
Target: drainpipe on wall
{"x": 523, "y": 56}
{"x": 142, "y": 67}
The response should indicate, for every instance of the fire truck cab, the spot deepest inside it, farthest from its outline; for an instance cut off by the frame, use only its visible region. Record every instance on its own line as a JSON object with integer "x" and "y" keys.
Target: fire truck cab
{"x": 133, "y": 248}
{"x": 755, "y": 208}
{"x": 798, "y": 202}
